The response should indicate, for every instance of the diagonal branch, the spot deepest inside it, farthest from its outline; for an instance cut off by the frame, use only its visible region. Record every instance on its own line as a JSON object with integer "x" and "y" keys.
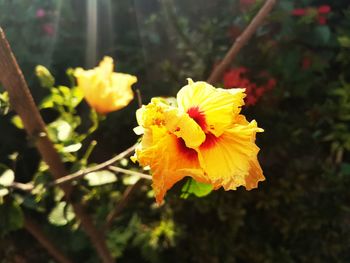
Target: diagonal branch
{"x": 34, "y": 229}
{"x": 28, "y": 187}
{"x": 22, "y": 102}
{"x": 82, "y": 173}
{"x": 130, "y": 172}
{"x": 127, "y": 195}
{"x": 219, "y": 70}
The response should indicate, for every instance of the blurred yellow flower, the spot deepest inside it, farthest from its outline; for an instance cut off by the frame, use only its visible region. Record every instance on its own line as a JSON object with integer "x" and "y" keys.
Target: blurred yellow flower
{"x": 203, "y": 137}
{"x": 105, "y": 90}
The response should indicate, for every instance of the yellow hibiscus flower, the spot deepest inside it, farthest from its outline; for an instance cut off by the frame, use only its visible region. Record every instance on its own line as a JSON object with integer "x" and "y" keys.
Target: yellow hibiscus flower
{"x": 105, "y": 90}
{"x": 203, "y": 137}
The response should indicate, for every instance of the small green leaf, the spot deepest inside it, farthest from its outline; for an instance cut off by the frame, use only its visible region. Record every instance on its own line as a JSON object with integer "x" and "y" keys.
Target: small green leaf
{"x": 7, "y": 178}
{"x": 131, "y": 179}
{"x": 196, "y": 188}
{"x": 3, "y": 192}
{"x": 16, "y": 120}
{"x": 344, "y": 41}
{"x": 65, "y": 91}
{"x": 44, "y": 76}
{"x": 4, "y": 103}
{"x": 100, "y": 178}
{"x": 77, "y": 96}
{"x": 60, "y": 130}
{"x": 62, "y": 214}
{"x": 72, "y": 148}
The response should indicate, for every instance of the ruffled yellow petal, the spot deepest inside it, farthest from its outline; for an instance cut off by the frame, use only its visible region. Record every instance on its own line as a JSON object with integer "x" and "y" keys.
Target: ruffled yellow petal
{"x": 255, "y": 175}
{"x": 105, "y": 90}
{"x": 181, "y": 125}
{"x": 169, "y": 159}
{"x": 105, "y": 67}
{"x": 213, "y": 109}
{"x": 227, "y": 159}
{"x": 121, "y": 91}
{"x": 158, "y": 112}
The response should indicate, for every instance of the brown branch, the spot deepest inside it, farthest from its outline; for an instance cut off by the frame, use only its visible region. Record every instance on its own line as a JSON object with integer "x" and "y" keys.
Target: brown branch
{"x": 128, "y": 193}
{"x": 130, "y": 172}
{"x": 22, "y": 102}
{"x": 40, "y": 236}
{"x": 28, "y": 187}
{"x": 82, "y": 173}
{"x": 139, "y": 98}
{"x": 219, "y": 70}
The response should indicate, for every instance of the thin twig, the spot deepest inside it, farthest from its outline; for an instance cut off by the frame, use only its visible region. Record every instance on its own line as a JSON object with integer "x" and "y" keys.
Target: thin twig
{"x": 139, "y": 98}
{"x": 82, "y": 173}
{"x": 130, "y": 172}
{"x": 28, "y": 187}
{"x": 22, "y": 102}
{"x": 219, "y": 70}
{"x": 128, "y": 193}
{"x": 39, "y": 235}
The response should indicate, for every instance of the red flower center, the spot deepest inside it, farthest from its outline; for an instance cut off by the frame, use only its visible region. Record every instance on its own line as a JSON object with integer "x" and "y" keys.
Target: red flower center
{"x": 210, "y": 141}
{"x": 188, "y": 153}
{"x": 198, "y": 116}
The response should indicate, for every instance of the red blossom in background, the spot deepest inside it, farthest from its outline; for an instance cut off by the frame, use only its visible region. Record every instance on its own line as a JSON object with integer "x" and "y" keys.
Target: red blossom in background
{"x": 321, "y": 20}
{"x": 299, "y": 12}
{"x": 306, "y": 63}
{"x": 324, "y": 9}
{"x": 48, "y": 29}
{"x": 320, "y": 13}
{"x": 236, "y": 78}
{"x": 40, "y": 13}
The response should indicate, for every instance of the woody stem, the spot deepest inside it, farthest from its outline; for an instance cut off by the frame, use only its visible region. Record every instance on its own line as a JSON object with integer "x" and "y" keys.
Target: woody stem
{"x": 240, "y": 41}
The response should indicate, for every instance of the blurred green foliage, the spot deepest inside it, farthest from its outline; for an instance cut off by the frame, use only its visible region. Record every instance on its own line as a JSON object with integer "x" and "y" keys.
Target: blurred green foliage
{"x": 299, "y": 214}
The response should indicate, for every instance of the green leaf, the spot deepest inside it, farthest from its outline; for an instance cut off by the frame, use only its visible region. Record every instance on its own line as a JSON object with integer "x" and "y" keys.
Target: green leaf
{"x": 4, "y": 103}
{"x": 60, "y": 130}
{"x": 77, "y": 96}
{"x": 72, "y": 148}
{"x": 131, "y": 179}
{"x": 344, "y": 41}
{"x": 44, "y": 76}
{"x": 65, "y": 91}
{"x": 7, "y": 178}
{"x": 16, "y": 120}
{"x": 4, "y": 192}
{"x": 100, "y": 178}
{"x": 195, "y": 188}
{"x": 62, "y": 214}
